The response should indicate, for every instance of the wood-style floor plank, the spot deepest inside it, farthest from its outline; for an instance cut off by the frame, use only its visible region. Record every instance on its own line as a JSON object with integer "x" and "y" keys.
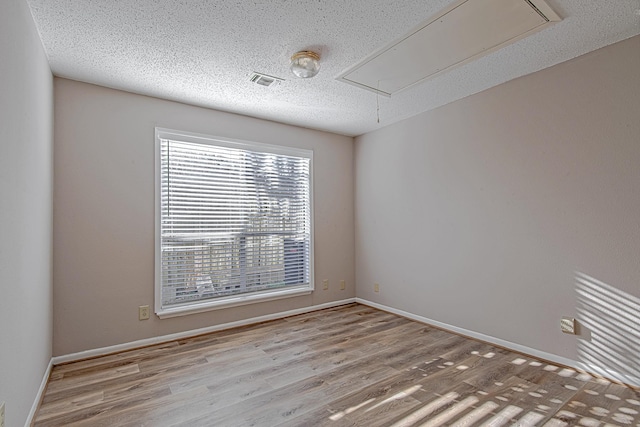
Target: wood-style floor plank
{"x": 347, "y": 366}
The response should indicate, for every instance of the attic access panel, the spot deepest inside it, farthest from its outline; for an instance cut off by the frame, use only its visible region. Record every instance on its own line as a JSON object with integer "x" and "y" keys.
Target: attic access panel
{"x": 465, "y": 31}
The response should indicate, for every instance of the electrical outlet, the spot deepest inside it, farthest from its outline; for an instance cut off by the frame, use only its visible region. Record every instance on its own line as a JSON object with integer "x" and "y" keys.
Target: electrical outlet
{"x": 343, "y": 285}
{"x": 143, "y": 312}
{"x": 376, "y": 287}
{"x": 568, "y": 325}
{"x": 2, "y": 414}
{"x": 325, "y": 284}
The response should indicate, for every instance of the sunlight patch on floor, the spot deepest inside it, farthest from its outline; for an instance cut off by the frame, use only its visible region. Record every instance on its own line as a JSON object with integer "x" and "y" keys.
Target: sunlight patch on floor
{"x": 426, "y": 410}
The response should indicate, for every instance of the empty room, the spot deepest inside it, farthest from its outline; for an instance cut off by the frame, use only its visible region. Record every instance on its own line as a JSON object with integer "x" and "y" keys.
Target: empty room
{"x": 339, "y": 213}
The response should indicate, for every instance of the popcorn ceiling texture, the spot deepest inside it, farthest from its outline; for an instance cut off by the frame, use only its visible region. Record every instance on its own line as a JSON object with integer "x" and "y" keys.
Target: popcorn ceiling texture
{"x": 203, "y": 52}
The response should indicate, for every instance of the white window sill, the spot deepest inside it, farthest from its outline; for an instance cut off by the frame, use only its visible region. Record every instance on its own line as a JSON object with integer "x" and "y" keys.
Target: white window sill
{"x": 230, "y": 301}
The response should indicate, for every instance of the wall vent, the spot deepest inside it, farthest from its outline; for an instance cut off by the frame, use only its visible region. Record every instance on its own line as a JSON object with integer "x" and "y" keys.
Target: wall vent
{"x": 466, "y": 30}
{"x": 265, "y": 79}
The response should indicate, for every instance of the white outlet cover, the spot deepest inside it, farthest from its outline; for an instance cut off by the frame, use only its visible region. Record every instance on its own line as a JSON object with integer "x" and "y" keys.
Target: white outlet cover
{"x": 143, "y": 312}
{"x": 568, "y": 325}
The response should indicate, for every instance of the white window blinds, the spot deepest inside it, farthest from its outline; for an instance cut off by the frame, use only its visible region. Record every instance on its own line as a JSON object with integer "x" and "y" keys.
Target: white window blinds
{"x": 235, "y": 219}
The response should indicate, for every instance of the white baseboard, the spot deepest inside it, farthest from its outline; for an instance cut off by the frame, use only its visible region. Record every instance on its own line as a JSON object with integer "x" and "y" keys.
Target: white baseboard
{"x": 103, "y": 351}
{"x": 608, "y": 373}
{"x": 36, "y": 402}
{"x": 186, "y": 334}
{"x": 554, "y": 358}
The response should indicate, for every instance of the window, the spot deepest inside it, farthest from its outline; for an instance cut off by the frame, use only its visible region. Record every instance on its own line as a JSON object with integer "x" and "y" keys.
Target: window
{"x": 233, "y": 222}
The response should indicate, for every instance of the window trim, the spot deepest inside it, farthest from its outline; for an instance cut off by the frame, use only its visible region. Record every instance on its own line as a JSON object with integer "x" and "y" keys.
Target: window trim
{"x": 231, "y": 300}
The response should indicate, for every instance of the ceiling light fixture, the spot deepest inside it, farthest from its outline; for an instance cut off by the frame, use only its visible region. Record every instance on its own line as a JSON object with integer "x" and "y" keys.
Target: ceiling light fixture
{"x": 305, "y": 64}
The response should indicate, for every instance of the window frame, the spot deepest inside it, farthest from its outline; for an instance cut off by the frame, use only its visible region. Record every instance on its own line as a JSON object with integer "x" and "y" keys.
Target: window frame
{"x": 230, "y": 300}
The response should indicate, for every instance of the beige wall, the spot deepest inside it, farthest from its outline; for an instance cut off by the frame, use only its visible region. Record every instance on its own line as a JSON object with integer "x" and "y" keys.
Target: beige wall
{"x": 504, "y": 211}
{"x": 26, "y": 135}
{"x": 104, "y": 213}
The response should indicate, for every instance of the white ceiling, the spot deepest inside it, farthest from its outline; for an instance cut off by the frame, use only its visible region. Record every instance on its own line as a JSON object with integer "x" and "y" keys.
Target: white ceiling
{"x": 203, "y": 52}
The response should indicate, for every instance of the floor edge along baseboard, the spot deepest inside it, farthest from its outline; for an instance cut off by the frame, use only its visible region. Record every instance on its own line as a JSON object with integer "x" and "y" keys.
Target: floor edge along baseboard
{"x": 528, "y": 351}
{"x": 103, "y": 351}
{"x": 39, "y": 394}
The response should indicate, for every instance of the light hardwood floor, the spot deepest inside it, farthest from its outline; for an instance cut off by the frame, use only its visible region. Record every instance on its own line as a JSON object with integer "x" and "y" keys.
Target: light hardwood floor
{"x": 347, "y": 366}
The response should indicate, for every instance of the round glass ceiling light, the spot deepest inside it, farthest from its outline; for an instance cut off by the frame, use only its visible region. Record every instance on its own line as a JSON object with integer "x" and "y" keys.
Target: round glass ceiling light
{"x": 305, "y": 64}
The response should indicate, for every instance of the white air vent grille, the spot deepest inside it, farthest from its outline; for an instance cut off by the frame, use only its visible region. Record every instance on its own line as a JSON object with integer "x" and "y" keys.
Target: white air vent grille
{"x": 465, "y": 31}
{"x": 265, "y": 80}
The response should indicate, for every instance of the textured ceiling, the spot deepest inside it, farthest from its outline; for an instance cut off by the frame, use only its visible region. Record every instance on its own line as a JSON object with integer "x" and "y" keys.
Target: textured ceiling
{"x": 203, "y": 52}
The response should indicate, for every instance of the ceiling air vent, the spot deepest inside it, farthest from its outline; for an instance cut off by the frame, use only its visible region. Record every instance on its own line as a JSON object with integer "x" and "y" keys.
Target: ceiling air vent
{"x": 265, "y": 80}
{"x": 465, "y": 31}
